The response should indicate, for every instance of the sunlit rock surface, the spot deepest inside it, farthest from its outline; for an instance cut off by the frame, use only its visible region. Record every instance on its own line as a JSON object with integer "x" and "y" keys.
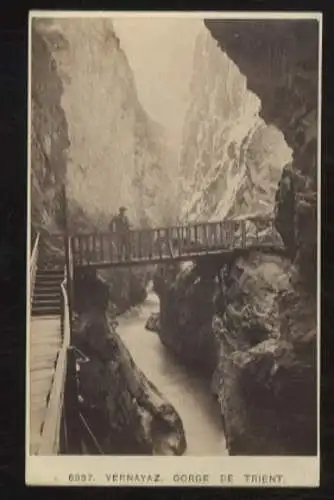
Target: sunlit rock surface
{"x": 127, "y": 413}
{"x": 118, "y": 154}
{"x": 230, "y": 160}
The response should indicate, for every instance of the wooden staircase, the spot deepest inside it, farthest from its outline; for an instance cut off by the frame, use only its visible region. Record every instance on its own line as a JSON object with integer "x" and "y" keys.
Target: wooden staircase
{"x": 47, "y": 292}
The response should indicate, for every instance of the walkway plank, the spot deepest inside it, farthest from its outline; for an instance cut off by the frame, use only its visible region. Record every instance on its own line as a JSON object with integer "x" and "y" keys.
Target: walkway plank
{"x": 45, "y": 344}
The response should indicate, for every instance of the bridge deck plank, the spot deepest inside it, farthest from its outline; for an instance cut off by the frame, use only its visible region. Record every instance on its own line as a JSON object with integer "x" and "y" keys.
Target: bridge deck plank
{"x": 148, "y": 260}
{"x": 45, "y": 344}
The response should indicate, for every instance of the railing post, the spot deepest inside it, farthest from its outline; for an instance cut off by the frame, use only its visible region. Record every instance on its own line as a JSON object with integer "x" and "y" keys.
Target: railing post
{"x": 178, "y": 232}
{"x": 196, "y": 234}
{"x": 139, "y": 244}
{"x": 222, "y": 233}
{"x": 159, "y": 243}
{"x": 94, "y": 254}
{"x": 110, "y": 246}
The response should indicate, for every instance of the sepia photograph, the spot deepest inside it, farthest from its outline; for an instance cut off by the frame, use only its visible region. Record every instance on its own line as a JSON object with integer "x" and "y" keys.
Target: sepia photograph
{"x": 173, "y": 248}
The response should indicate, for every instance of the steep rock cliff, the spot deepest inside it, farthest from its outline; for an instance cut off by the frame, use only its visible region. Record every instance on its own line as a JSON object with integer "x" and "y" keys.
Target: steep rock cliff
{"x": 49, "y": 136}
{"x": 280, "y": 60}
{"x": 230, "y": 161}
{"x": 266, "y": 375}
{"x": 117, "y": 154}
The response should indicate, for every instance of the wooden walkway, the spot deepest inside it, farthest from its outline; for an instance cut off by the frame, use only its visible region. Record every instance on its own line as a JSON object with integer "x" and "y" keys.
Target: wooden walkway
{"x": 48, "y": 341}
{"x": 45, "y": 345}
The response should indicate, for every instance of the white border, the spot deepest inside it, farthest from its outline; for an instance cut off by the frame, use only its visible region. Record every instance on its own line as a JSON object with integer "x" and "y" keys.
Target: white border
{"x": 57, "y": 470}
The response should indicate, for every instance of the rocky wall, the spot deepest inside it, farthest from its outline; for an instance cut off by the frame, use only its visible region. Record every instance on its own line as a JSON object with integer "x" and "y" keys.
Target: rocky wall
{"x": 252, "y": 330}
{"x": 280, "y": 59}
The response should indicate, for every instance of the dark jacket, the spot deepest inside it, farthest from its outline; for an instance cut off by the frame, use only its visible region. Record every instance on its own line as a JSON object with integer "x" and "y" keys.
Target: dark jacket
{"x": 120, "y": 224}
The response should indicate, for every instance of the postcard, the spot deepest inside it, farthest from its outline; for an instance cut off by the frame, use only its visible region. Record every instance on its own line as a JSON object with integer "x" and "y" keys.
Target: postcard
{"x": 173, "y": 270}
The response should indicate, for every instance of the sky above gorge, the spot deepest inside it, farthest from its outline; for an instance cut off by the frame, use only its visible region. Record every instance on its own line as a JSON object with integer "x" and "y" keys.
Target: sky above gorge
{"x": 160, "y": 53}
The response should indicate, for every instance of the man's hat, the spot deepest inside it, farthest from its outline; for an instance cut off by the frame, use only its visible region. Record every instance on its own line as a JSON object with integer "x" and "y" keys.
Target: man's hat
{"x": 122, "y": 209}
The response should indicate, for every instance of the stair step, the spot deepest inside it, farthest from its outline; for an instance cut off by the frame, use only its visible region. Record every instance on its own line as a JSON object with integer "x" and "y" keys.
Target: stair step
{"x": 47, "y": 285}
{"x": 51, "y": 277}
{"x": 56, "y": 305}
{"x": 50, "y": 271}
{"x": 47, "y": 289}
{"x": 46, "y": 302}
{"x": 51, "y": 295}
{"x": 44, "y": 305}
{"x": 45, "y": 312}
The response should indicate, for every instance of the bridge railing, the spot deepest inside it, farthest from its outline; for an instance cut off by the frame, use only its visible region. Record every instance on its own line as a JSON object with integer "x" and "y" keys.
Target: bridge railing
{"x": 172, "y": 242}
{"x": 50, "y": 442}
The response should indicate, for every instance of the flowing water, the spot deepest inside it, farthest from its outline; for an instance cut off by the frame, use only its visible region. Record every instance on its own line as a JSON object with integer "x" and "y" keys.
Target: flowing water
{"x": 189, "y": 393}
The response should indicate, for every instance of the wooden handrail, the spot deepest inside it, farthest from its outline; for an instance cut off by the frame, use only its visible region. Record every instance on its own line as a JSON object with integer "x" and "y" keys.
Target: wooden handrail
{"x": 33, "y": 265}
{"x": 146, "y": 244}
{"x": 51, "y": 429}
{"x": 184, "y": 226}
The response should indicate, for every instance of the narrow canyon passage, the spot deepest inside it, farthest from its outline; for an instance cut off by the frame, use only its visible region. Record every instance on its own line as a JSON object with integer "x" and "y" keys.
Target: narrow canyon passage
{"x": 189, "y": 393}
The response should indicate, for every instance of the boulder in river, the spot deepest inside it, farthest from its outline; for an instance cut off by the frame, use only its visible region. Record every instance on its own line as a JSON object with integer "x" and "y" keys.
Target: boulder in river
{"x": 153, "y": 323}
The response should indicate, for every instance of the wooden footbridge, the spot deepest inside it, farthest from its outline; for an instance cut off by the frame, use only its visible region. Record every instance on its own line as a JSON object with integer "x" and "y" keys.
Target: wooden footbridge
{"x": 53, "y": 263}
{"x": 168, "y": 244}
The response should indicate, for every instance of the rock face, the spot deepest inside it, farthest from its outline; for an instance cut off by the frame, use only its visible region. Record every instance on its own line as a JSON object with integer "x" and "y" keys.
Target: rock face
{"x": 266, "y": 375}
{"x": 126, "y": 412}
{"x": 253, "y": 332}
{"x": 127, "y": 287}
{"x": 65, "y": 75}
{"x": 280, "y": 61}
{"x": 231, "y": 160}
{"x": 49, "y": 136}
{"x": 186, "y": 310}
{"x": 117, "y": 154}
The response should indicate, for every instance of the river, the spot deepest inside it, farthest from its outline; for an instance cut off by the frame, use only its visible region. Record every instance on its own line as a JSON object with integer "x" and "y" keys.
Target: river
{"x": 189, "y": 393}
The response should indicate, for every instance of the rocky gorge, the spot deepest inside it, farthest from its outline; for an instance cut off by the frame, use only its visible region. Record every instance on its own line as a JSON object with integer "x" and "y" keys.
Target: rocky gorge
{"x": 128, "y": 413}
{"x": 250, "y": 322}
{"x": 246, "y": 323}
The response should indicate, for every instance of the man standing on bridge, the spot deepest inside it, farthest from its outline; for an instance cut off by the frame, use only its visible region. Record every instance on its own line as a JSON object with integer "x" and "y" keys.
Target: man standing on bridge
{"x": 122, "y": 228}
